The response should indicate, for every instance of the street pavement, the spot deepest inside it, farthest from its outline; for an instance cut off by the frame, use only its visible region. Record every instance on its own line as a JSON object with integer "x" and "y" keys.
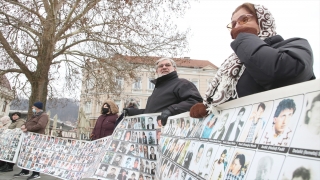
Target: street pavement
{"x": 16, "y": 170}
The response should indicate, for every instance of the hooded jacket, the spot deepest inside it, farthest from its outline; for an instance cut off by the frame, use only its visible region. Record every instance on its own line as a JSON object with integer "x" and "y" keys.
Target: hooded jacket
{"x": 104, "y": 126}
{"x": 106, "y": 122}
{"x": 177, "y": 95}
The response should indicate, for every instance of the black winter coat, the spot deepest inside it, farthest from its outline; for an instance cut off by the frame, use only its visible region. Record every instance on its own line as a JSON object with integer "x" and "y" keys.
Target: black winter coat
{"x": 177, "y": 95}
{"x": 272, "y": 63}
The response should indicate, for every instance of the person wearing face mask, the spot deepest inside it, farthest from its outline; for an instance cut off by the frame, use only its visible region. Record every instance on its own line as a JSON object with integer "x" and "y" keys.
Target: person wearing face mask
{"x": 171, "y": 95}
{"x": 106, "y": 121}
{"x": 37, "y": 124}
{"x": 262, "y": 60}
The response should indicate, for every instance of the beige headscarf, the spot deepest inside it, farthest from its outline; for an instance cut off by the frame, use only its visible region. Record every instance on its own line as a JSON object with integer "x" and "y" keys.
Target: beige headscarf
{"x": 223, "y": 85}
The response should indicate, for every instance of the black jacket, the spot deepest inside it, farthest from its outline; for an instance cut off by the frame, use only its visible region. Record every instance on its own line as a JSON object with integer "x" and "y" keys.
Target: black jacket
{"x": 175, "y": 94}
{"x": 272, "y": 63}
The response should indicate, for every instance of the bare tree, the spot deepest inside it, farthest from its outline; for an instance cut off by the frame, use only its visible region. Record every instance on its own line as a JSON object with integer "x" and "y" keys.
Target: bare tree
{"x": 46, "y": 42}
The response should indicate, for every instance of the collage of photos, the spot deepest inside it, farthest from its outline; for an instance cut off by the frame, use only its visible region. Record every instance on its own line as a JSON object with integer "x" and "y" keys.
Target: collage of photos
{"x": 60, "y": 157}
{"x": 9, "y": 144}
{"x": 186, "y": 148}
{"x": 133, "y": 151}
{"x": 274, "y": 124}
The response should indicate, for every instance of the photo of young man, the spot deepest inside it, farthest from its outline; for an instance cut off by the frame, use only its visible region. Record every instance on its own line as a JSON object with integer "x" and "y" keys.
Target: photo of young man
{"x": 280, "y": 128}
{"x": 256, "y": 123}
{"x": 237, "y": 123}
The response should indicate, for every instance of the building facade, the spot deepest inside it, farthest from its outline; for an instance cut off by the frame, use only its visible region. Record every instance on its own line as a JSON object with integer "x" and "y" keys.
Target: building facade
{"x": 199, "y": 72}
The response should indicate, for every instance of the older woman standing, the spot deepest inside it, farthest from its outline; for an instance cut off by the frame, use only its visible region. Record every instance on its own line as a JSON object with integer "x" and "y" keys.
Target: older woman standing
{"x": 106, "y": 121}
{"x": 262, "y": 60}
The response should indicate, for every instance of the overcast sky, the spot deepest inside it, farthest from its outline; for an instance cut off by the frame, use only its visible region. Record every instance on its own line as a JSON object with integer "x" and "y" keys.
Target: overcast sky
{"x": 210, "y": 39}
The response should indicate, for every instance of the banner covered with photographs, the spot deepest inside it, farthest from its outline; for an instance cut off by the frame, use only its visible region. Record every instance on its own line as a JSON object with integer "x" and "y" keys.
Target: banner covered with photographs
{"x": 60, "y": 157}
{"x": 271, "y": 135}
{"x": 10, "y": 141}
{"x": 272, "y": 139}
{"x": 133, "y": 151}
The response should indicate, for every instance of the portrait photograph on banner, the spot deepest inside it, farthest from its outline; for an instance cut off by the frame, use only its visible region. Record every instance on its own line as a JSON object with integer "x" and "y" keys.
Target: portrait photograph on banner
{"x": 239, "y": 164}
{"x": 220, "y": 126}
{"x": 300, "y": 168}
{"x": 257, "y": 121}
{"x": 283, "y": 121}
{"x": 307, "y": 134}
{"x": 221, "y": 160}
{"x": 235, "y": 124}
{"x": 265, "y": 166}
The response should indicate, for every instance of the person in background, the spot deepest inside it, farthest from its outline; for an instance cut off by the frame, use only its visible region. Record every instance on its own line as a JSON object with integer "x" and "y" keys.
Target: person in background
{"x": 171, "y": 95}
{"x": 262, "y": 60}
{"x": 17, "y": 122}
{"x": 5, "y": 122}
{"x": 37, "y": 124}
{"x": 106, "y": 121}
{"x": 131, "y": 104}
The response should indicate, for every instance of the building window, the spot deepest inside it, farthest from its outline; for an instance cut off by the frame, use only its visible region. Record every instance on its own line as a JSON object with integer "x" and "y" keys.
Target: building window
{"x": 150, "y": 84}
{"x": 87, "y": 106}
{"x": 137, "y": 84}
{"x": 119, "y": 81}
{"x": 196, "y": 83}
{"x": 5, "y": 103}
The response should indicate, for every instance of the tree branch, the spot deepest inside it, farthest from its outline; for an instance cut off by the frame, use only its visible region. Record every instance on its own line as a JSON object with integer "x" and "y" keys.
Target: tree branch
{"x": 15, "y": 58}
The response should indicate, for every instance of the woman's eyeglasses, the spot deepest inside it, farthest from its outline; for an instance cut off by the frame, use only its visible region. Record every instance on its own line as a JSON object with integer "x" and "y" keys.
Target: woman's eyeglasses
{"x": 243, "y": 19}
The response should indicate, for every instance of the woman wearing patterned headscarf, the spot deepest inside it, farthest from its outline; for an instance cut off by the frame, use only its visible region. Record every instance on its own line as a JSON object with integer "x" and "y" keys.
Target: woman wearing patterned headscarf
{"x": 262, "y": 60}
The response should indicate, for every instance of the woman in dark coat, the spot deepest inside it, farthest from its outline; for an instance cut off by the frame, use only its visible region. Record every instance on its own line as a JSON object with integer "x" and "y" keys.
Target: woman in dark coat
{"x": 262, "y": 60}
{"x": 106, "y": 121}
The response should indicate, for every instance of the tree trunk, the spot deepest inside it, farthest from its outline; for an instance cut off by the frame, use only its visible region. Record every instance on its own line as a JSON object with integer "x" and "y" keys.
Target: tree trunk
{"x": 39, "y": 92}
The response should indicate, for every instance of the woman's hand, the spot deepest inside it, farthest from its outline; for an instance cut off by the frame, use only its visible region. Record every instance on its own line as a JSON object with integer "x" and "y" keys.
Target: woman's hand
{"x": 235, "y": 31}
{"x": 198, "y": 110}
{"x": 23, "y": 128}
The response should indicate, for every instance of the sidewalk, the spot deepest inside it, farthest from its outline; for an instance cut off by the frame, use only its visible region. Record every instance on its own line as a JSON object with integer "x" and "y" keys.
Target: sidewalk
{"x": 16, "y": 170}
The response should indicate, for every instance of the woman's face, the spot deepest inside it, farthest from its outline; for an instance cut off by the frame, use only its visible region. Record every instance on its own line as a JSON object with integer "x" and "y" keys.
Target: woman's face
{"x": 236, "y": 166}
{"x": 251, "y": 23}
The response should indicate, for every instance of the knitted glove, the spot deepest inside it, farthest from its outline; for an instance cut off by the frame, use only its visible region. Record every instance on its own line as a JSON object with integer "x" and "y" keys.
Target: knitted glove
{"x": 164, "y": 116}
{"x": 198, "y": 110}
{"x": 235, "y": 31}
